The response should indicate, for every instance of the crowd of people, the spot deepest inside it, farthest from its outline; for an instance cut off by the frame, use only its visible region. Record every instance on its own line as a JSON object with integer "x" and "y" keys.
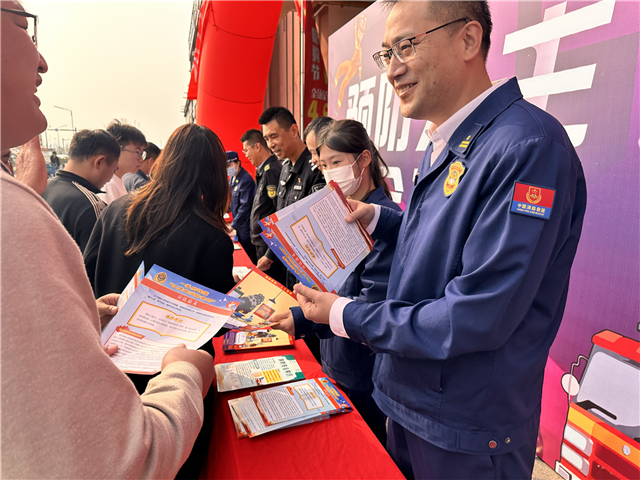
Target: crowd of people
{"x": 439, "y": 337}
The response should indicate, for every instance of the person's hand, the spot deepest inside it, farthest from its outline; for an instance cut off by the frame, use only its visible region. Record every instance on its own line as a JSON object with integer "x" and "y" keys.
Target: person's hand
{"x": 198, "y": 358}
{"x": 236, "y": 278}
{"x": 284, "y": 321}
{"x": 107, "y": 308}
{"x": 361, "y": 211}
{"x": 31, "y": 168}
{"x": 315, "y": 305}
{"x": 110, "y": 349}
{"x": 264, "y": 264}
{"x": 232, "y": 233}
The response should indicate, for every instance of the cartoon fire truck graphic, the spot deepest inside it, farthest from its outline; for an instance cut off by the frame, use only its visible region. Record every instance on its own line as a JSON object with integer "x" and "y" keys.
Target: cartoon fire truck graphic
{"x": 602, "y": 433}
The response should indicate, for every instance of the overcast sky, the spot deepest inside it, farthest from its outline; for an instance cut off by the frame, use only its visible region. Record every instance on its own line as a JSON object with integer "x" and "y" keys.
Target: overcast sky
{"x": 126, "y": 60}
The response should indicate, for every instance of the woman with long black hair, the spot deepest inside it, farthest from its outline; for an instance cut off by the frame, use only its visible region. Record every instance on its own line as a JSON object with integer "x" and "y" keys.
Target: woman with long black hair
{"x": 175, "y": 221}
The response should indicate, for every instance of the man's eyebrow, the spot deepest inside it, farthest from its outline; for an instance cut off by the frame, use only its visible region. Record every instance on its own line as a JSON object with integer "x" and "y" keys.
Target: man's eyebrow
{"x": 396, "y": 39}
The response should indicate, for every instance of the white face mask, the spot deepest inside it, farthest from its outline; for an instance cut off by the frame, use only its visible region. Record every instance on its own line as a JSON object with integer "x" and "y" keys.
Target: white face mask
{"x": 231, "y": 171}
{"x": 343, "y": 176}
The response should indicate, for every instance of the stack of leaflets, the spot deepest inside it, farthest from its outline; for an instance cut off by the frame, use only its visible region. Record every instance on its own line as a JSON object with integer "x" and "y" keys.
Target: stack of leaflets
{"x": 253, "y": 373}
{"x": 314, "y": 241}
{"x": 286, "y": 406}
{"x": 163, "y": 311}
{"x": 257, "y": 299}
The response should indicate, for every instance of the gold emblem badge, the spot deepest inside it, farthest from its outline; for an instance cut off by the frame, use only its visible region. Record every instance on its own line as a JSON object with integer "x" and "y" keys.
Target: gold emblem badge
{"x": 534, "y": 195}
{"x": 271, "y": 191}
{"x": 456, "y": 170}
{"x": 267, "y": 167}
{"x": 160, "y": 278}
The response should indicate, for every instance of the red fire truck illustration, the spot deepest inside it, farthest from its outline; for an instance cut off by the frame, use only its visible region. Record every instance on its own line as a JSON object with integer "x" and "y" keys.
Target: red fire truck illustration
{"x": 602, "y": 434}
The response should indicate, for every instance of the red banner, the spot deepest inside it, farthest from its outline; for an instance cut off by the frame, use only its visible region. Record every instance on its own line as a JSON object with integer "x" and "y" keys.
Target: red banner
{"x": 315, "y": 77}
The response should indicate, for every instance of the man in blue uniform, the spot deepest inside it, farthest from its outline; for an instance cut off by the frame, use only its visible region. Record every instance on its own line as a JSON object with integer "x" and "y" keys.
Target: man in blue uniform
{"x": 480, "y": 274}
{"x": 243, "y": 189}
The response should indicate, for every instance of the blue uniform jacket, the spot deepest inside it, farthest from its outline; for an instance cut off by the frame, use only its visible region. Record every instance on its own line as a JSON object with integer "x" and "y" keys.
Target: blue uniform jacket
{"x": 351, "y": 363}
{"x": 476, "y": 293}
{"x": 243, "y": 189}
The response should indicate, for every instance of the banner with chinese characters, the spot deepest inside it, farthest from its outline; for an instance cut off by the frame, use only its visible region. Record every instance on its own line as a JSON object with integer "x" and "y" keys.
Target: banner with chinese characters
{"x": 315, "y": 78}
{"x": 578, "y": 61}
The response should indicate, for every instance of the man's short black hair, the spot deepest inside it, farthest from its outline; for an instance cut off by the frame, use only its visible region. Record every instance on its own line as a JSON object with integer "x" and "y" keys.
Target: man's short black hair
{"x": 151, "y": 150}
{"x": 280, "y": 114}
{"x": 89, "y": 143}
{"x": 126, "y": 134}
{"x": 449, "y": 10}
{"x": 315, "y": 126}
{"x": 253, "y": 136}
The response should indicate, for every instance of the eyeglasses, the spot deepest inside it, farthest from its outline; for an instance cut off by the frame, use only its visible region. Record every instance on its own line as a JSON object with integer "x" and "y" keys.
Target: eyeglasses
{"x": 405, "y": 49}
{"x": 246, "y": 150}
{"x": 32, "y": 28}
{"x": 138, "y": 154}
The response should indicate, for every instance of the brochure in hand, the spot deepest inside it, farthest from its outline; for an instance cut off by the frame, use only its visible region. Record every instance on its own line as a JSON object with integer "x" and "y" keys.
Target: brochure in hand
{"x": 164, "y": 311}
{"x": 131, "y": 286}
{"x": 288, "y": 405}
{"x": 314, "y": 241}
{"x": 252, "y": 373}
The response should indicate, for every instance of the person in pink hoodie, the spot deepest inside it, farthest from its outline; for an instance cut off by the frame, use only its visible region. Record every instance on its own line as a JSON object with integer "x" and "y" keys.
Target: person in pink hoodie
{"x": 67, "y": 411}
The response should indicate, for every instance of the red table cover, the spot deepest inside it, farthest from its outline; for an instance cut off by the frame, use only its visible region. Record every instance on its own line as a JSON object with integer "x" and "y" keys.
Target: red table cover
{"x": 338, "y": 448}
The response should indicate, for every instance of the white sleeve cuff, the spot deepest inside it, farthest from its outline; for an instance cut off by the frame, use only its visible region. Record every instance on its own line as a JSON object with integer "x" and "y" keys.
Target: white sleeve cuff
{"x": 374, "y": 223}
{"x": 336, "y": 321}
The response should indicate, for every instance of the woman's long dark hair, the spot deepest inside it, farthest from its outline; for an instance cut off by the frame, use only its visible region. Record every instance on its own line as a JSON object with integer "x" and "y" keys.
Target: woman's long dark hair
{"x": 190, "y": 173}
{"x": 350, "y": 136}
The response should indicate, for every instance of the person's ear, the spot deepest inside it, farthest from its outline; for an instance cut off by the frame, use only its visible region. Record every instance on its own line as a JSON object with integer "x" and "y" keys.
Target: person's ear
{"x": 472, "y": 38}
{"x": 365, "y": 159}
{"x": 99, "y": 161}
{"x": 295, "y": 131}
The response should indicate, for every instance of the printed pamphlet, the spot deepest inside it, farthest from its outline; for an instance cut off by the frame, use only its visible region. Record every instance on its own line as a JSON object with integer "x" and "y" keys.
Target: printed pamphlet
{"x": 164, "y": 311}
{"x": 262, "y": 371}
{"x": 288, "y": 405}
{"x": 314, "y": 241}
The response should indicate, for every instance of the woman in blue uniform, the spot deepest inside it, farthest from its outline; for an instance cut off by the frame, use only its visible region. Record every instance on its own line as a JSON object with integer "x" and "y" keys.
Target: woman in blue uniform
{"x": 348, "y": 157}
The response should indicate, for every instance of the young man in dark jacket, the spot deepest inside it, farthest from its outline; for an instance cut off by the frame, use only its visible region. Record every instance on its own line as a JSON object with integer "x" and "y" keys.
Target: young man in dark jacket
{"x": 72, "y": 193}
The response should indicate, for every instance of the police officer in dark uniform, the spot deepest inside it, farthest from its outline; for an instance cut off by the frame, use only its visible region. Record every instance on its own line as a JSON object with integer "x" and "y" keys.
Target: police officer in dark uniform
{"x": 298, "y": 178}
{"x": 243, "y": 189}
{"x": 268, "y": 169}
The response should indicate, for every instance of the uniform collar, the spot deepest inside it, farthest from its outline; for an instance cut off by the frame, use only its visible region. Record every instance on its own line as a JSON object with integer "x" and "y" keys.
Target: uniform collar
{"x": 304, "y": 157}
{"x": 72, "y": 177}
{"x": 260, "y": 169}
{"x": 499, "y": 98}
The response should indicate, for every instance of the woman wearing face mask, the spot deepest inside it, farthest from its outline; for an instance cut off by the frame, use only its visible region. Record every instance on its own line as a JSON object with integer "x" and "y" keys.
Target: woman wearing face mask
{"x": 349, "y": 158}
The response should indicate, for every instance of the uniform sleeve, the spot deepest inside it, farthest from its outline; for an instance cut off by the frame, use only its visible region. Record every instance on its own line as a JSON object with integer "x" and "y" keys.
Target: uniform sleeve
{"x": 375, "y": 276}
{"x": 247, "y": 192}
{"x": 270, "y": 179}
{"x": 306, "y": 328}
{"x": 501, "y": 274}
{"x": 317, "y": 180}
